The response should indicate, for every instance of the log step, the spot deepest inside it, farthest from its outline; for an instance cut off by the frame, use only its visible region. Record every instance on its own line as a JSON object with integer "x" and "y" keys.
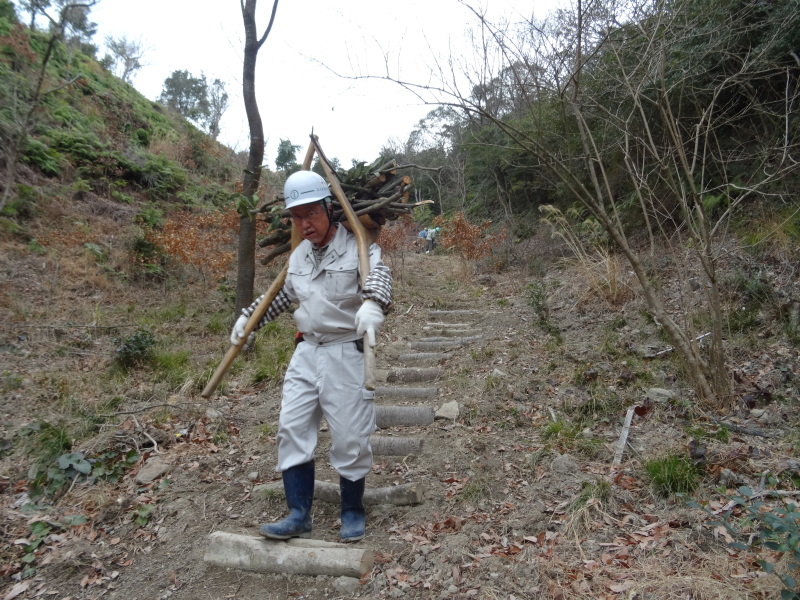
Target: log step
{"x": 412, "y": 375}
{"x": 403, "y": 416}
{"x": 454, "y": 313}
{"x": 465, "y": 340}
{"x": 450, "y": 343}
{"x": 296, "y": 556}
{"x": 406, "y": 494}
{"x": 395, "y": 446}
{"x": 447, "y": 332}
{"x": 443, "y": 325}
{"x": 423, "y": 357}
{"x": 406, "y": 392}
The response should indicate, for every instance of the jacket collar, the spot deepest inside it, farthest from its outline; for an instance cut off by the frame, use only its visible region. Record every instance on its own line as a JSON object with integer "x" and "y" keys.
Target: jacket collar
{"x": 337, "y": 245}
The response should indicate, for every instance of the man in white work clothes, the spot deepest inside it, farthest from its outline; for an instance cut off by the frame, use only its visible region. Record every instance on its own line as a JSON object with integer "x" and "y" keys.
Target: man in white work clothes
{"x": 325, "y": 376}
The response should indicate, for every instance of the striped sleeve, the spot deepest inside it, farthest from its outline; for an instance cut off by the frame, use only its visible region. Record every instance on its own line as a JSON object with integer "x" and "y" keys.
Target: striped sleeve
{"x": 378, "y": 287}
{"x": 280, "y": 304}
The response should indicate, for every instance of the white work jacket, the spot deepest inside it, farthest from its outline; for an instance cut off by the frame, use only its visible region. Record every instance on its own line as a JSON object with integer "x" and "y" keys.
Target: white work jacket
{"x": 329, "y": 294}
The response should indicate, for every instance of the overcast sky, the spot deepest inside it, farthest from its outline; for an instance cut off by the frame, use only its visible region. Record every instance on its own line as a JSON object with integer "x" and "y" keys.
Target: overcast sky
{"x": 295, "y": 90}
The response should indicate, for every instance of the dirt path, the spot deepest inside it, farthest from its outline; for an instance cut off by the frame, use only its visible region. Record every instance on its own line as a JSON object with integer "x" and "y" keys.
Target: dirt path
{"x": 513, "y": 506}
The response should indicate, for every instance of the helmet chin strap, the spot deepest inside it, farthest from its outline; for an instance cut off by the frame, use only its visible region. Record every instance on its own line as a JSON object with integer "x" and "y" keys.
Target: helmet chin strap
{"x": 328, "y": 206}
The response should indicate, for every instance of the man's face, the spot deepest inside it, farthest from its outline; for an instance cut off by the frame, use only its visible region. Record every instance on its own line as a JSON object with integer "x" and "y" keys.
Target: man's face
{"x": 313, "y": 223}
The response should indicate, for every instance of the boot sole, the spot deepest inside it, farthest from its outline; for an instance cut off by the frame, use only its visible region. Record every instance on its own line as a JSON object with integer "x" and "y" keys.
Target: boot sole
{"x": 285, "y": 537}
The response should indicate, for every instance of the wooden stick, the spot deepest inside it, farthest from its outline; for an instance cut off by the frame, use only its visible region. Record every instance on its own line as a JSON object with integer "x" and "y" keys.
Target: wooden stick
{"x": 249, "y": 327}
{"x": 363, "y": 253}
{"x": 262, "y": 307}
{"x": 623, "y": 437}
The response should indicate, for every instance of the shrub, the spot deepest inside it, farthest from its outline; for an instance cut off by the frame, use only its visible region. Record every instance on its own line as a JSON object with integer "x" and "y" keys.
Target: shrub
{"x": 41, "y": 156}
{"x": 148, "y": 259}
{"x": 142, "y": 137}
{"x": 160, "y": 176}
{"x": 135, "y": 350}
{"x": 151, "y": 217}
{"x": 774, "y": 526}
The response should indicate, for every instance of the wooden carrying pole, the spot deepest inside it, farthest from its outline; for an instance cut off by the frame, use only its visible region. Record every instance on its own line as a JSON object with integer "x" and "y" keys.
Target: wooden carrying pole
{"x": 363, "y": 252}
{"x": 262, "y": 307}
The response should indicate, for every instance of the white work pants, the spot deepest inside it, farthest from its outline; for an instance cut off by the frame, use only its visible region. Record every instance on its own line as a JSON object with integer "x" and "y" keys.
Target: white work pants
{"x": 327, "y": 380}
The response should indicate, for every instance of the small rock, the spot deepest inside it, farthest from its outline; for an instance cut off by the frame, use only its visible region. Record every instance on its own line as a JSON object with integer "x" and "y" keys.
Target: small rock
{"x": 152, "y": 470}
{"x": 346, "y": 585}
{"x": 213, "y": 413}
{"x": 757, "y": 413}
{"x": 253, "y": 475}
{"x": 730, "y": 479}
{"x": 660, "y": 395}
{"x": 564, "y": 463}
{"x": 498, "y": 373}
{"x": 449, "y": 410}
{"x": 418, "y": 563}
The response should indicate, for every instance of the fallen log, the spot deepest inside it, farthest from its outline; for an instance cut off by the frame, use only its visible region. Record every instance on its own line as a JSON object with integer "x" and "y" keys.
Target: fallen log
{"x": 298, "y": 557}
{"x": 406, "y": 494}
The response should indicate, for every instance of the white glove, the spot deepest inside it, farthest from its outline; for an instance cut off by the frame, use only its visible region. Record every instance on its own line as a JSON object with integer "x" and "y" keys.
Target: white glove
{"x": 238, "y": 333}
{"x": 368, "y": 320}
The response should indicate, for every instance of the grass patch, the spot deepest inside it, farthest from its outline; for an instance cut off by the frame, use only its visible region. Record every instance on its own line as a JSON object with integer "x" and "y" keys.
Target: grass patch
{"x": 476, "y": 490}
{"x": 561, "y": 433}
{"x": 171, "y": 367}
{"x": 698, "y": 432}
{"x": 588, "y": 506}
{"x": 672, "y": 474}
{"x": 273, "y": 349}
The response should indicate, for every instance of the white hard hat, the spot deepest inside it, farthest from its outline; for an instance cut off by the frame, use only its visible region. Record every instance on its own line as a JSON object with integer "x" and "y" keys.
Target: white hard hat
{"x": 304, "y": 187}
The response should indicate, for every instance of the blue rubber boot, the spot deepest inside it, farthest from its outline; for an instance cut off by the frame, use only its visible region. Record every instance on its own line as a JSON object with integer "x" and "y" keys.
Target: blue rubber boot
{"x": 298, "y": 482}
{"x": 354, "y": 517}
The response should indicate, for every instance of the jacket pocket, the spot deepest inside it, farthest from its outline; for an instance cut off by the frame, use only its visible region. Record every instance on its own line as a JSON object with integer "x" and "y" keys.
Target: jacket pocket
{"x": 300, "y": 279}
{"x": 341, "y": 280}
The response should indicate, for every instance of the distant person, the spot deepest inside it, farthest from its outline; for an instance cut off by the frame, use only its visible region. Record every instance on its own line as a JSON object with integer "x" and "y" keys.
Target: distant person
{"x": 420, "y": 241}
{"x": 430, "y": 238}
{"x": 325, "y": 377}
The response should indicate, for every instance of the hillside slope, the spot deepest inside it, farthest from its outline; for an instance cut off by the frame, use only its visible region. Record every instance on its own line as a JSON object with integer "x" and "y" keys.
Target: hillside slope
{"x": 520, "y": 494}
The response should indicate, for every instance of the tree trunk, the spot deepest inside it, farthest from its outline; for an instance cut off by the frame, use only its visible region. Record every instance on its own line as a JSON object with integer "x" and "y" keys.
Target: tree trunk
{"x": 246, "y": 265}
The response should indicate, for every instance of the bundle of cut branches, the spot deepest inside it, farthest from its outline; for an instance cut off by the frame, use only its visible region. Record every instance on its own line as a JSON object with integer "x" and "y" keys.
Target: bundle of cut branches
{"x": 377, "y": 193}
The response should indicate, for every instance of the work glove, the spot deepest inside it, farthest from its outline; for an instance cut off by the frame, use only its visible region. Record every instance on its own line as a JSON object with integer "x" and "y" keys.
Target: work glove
{"x": 368, "y": 320}
{"x": 238, "y": 333}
